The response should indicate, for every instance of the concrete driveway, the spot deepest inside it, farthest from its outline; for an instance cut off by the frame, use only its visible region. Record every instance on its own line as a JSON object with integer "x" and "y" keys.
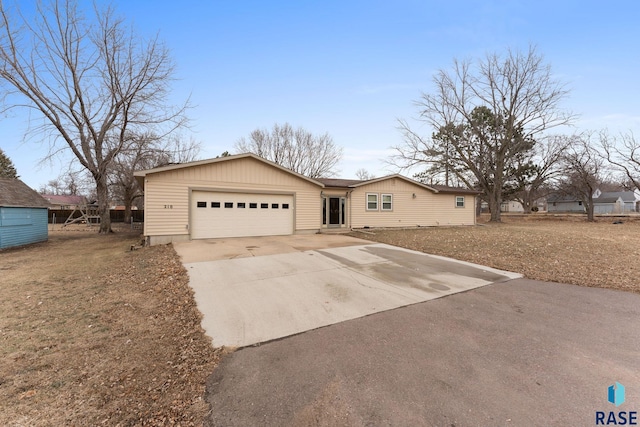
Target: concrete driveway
{"x": 517, "y": 353}
{"x": 253, "y": 290}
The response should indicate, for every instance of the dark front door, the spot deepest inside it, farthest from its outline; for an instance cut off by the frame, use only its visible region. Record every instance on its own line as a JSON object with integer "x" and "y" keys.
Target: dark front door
{"x": 334, "y": 211}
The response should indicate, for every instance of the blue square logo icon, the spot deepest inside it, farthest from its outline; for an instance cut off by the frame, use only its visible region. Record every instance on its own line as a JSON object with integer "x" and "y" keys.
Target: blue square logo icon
{"x": 616, "y": 394}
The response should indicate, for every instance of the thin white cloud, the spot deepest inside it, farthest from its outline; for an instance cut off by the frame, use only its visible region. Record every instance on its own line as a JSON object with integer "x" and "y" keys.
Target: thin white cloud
{"x": 613, "y": 122}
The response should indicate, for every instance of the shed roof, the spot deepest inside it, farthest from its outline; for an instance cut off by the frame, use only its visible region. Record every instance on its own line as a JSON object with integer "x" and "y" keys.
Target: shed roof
{"x": 15, "y": 193}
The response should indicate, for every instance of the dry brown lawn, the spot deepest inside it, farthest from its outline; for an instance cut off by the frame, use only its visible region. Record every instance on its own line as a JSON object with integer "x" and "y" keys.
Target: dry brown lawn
{"x": 94, "y": 334}
{"x": 568, "y": 250}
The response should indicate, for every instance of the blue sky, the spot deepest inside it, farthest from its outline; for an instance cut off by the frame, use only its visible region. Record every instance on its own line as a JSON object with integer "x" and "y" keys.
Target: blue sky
{"x": 352, "y": 68}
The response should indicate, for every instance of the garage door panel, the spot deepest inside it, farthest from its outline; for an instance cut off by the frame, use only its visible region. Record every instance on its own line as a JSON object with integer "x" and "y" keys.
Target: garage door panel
{"x": 217, "y": 214}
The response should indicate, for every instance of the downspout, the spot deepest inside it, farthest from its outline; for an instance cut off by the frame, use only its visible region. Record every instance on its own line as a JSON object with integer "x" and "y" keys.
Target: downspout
{"x": 348, "y": 196}
{"x": 475, "y": 205}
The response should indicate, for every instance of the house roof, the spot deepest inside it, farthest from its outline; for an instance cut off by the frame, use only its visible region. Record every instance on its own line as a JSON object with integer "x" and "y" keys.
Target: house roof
{"x": 454, "y": 190}
{"x": 605, "y": 200}
{"x": 626, "y": 196}
{"x": 15, "y": 193}
{"x": 557, "y": 197}
{"x": 336, "y": 182}
{"x": 143, "y": 173}
{"x": 322, "y": 182}
{"x": 60, "y": 199}
{"x": 435, "y": 188}
{"x": 605, "y": 197}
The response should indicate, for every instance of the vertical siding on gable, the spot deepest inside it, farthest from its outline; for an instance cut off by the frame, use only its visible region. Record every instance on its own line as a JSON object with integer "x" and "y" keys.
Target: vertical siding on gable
{"x": 22, "y": 226}
{"x": 426, "y": 209}
{"x": 167, "y": 193}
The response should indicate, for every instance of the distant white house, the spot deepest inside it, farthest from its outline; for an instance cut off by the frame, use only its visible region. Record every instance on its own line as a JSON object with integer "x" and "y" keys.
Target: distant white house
{"x": 611, "y": 202}
{"x": 511, "y": 206}
{"x": 514, "y": 206}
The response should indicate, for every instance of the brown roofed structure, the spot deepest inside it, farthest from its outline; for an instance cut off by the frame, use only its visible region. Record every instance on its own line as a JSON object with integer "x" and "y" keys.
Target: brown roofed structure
{"x": 454, "y": 190}
{"x": 66, "y": 200}
{"x": 15, "y": 193}
{"x": 351, "y": 183}
{"x": 339, "y": 183}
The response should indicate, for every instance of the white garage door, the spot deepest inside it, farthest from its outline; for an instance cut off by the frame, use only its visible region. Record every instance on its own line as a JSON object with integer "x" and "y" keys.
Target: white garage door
{"x": 240, "y": 214}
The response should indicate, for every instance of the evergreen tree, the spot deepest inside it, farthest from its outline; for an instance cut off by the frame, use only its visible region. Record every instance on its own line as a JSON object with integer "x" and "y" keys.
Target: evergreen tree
{"x": 7, "y": 169}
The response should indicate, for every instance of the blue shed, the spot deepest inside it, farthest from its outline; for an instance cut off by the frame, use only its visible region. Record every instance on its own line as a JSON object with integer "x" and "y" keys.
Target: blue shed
{"x": 23, "y": 214}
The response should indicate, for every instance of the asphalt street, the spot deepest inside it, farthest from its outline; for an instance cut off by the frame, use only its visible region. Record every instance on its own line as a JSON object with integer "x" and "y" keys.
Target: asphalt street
{"x": 515, "y": 353}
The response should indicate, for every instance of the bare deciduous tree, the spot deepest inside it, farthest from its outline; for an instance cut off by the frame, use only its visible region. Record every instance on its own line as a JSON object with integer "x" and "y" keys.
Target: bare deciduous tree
{"x": 92, "y": 80}
{"x": 623, "y": 154}
{"x": 315, "y": 156}
{"x": 582, "y": 171}
{"x": 484, "y": 118}
{"x": 364, "y": 175}
{"x": 145, "y": 152}
{"x": 544, "y": 161}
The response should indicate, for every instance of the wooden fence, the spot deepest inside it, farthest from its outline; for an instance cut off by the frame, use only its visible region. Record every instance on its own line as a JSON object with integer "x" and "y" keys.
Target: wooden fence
{"x": 61, "y": 215}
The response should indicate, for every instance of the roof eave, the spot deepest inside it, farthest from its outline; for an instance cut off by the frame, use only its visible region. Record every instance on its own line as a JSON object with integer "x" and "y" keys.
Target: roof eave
{"x": 143, "y": 173}
{"x": 396, "y": 175}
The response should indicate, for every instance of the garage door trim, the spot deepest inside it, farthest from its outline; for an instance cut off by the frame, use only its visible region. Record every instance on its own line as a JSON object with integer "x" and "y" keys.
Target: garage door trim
{"x": 239, "y": 191}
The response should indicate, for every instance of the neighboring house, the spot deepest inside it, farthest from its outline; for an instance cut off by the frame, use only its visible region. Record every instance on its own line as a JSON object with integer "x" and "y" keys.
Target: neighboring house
{"x": 616, "y": 202}
{"x": 23, "y": 214}
{"x": 511, "y": 206}
{"x": 245, "y": 195}
{"x": 607, "y": 202}
{"x": 514, "y": 206}
{"x": 64, "y": 202}
{"x": 564, "y": 203}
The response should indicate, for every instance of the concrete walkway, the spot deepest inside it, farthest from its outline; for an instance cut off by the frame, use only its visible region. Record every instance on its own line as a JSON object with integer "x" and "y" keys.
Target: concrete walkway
{"x": 300, "y": 283}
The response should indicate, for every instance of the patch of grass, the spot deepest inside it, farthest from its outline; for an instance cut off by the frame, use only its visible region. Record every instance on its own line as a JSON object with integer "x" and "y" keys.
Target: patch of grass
{"x": 92, "y": 334}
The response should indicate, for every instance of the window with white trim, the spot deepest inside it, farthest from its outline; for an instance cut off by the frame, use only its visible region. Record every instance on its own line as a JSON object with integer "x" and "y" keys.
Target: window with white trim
{"x": 387, "y": 202}
{"x": 459, "y": 201}
{"x": 372, "y": 202}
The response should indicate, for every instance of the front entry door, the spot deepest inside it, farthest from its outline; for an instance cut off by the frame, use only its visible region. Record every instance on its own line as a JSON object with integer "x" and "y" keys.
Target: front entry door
{"x": 334, "y": 211}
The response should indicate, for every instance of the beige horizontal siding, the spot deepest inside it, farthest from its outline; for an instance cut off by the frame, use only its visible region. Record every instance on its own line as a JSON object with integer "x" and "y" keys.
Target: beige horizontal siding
{"x": 171, "y": 188}
{"x": 426, "y": 209}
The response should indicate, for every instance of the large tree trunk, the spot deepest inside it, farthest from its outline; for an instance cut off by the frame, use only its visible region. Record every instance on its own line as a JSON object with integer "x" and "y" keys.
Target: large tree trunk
{"x": 527, "y": 203}
{"x": 495, "y": 200}
{"x": 102, "y": 191}
{"x": 127, "y": 213}
{"x": 590, "y": 215}
{"x": 128, "y": 201}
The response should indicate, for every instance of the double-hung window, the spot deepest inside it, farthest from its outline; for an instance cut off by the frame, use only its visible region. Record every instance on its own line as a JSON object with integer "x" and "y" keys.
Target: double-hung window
{"x": 459, "y": 201}
{"x": 387, "y": 202}
{"x": 372, "y": 202}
